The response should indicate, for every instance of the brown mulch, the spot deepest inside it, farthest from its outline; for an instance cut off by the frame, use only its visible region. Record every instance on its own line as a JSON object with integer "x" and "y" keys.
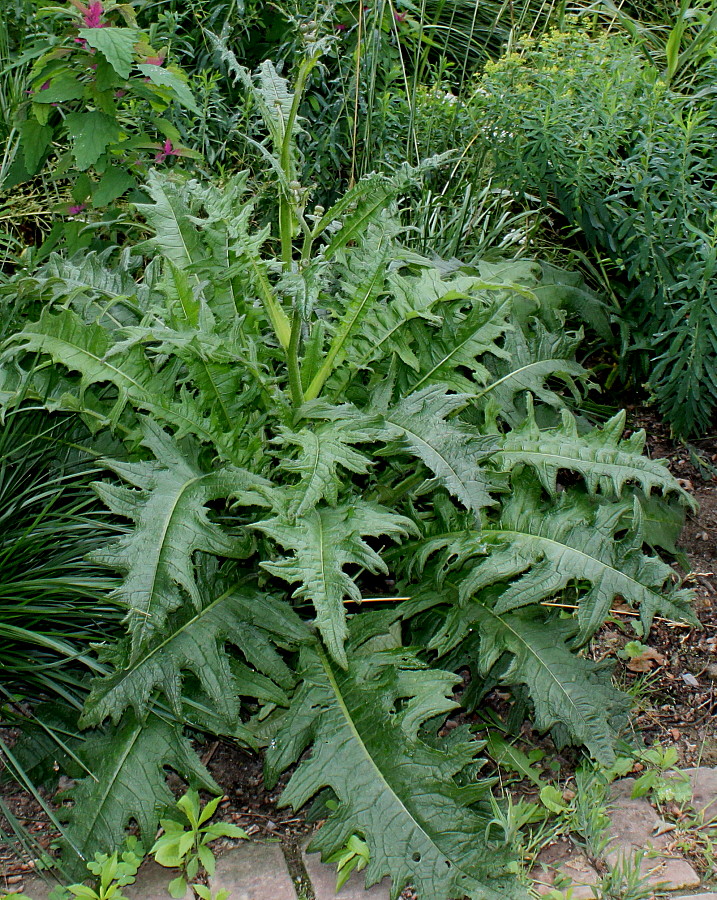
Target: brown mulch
{"x": 678, "y": 699}
{"x": 682, "y": 690}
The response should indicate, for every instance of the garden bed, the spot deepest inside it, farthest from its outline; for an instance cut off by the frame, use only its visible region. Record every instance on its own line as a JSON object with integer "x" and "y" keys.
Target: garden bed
{"x": 676, "y": 693}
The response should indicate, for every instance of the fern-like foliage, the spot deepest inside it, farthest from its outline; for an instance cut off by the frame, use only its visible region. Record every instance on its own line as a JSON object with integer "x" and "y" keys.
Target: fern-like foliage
{"x": 533, "y": 648}
{"x": 534, "y": 356}
{"x": 452, "y": 451}
{"x": 322, "y": 451}
{"x": 195, "y": 641}
{"x": 647, "y": 200}
{"x": 323, "y": 542}
{"x": 537, "y": 548}
{"x": 606, "y": 463}
{"x": 392, "y": 785}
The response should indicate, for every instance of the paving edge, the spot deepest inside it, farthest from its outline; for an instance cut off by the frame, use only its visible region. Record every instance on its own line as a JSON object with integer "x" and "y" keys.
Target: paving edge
{"x": 703, "y": 896}
{"x": 297, "y": 870}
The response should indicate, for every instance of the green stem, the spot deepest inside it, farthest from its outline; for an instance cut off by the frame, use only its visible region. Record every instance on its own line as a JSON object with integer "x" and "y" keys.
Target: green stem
{"x": 286, "y": 230}
{"x": 292, "y": 361}
{"x": 279, "y": 319}
{"x": 287, "y": 215}
{"x": 307, "y": 247}
{"x": 388, "y": 496}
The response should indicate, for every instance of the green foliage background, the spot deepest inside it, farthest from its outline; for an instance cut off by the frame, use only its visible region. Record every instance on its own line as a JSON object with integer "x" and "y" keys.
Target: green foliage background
{"x": 312, "y": 364}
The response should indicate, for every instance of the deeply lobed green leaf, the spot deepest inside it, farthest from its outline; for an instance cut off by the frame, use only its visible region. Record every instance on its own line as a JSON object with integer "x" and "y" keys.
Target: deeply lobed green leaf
{"x": 323, "y": 542}
{"x": 393, "y": 787}
{"x": 127, "y": 782}
{"x": 167, "y": 503}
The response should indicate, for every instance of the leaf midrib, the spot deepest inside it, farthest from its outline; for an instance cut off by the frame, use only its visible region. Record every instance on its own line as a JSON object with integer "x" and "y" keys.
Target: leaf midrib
{"x": 173, "y": 636}
{"x": 138, "y": 637}
{"x": 448, "y": 465}
{"x": 556, "y": 458}
{"x": 110, "y": 782}
{"x": 310, "y": 479}
{"x": 217, "y": 393}
{"x": 456, "y": 348}
{"x": 173, "y": 217}
{"x": 538, "y": 538}
{"x": 364, "y": 749}
{"x": 83, "y": 351}
{"x": 566, "y": 363}
{"x": 346, "y": 326}
{"x": 325, "y": 582}
{"x": 536, "y": 656}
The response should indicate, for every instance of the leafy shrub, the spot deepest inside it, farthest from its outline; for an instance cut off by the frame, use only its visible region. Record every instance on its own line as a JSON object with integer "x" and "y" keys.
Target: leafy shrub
{"x": 588, "y": 124}
{"x": 96, "y": 92}
{"x": 305, "y": 413}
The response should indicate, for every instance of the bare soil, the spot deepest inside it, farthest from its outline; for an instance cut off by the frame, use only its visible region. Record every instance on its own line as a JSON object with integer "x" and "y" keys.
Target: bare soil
{"x": 679, "y": 706}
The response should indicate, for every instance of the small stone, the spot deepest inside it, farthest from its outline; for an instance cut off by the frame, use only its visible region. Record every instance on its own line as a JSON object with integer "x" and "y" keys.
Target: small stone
{"x": 633, "y": 823}
{"x": 323, "y": 879}
{"x": 254, "y": 871}
{"x": 562, "y": 861}
{"x": 707, "y": 896}
{"x": 704, "y": 791}
{"x": 151, "y": 883}
{"x": 673, "y": 873}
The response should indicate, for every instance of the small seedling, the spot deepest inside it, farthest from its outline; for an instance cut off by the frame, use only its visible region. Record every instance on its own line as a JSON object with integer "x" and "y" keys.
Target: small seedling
{"x": 676, "y": 787}
{"x": 353, "y": 855}
{"x": 640, "y": 657}
{"x": 113, "y": 873}
{"x": 185, "y": 846}
{"x": 626, "y": 881}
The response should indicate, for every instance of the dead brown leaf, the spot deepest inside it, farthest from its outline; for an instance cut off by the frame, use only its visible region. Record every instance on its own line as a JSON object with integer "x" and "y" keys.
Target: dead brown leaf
{"x": 646, "y": 661}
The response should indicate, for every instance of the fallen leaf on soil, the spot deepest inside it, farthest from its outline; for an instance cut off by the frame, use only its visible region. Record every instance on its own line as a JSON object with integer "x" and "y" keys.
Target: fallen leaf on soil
{"x": 644, "y": 661}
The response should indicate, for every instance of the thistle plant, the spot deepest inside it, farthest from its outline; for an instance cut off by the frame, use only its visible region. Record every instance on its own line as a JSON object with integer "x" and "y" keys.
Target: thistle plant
{"x": 313, "y": 416}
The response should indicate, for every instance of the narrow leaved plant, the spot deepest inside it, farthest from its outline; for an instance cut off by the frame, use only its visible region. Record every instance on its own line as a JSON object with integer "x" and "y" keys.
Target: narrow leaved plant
{"x": 314, "y": 416}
